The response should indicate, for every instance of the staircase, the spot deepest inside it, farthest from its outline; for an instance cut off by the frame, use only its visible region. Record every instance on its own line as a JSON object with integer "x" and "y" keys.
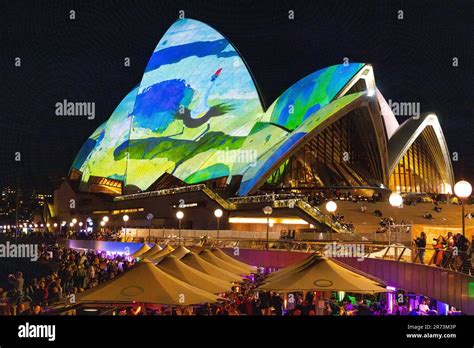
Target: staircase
{"x": 313, "y": 212}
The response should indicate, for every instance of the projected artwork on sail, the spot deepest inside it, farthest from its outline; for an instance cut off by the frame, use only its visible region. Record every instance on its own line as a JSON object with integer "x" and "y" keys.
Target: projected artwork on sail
{"x": 196, "y": 114}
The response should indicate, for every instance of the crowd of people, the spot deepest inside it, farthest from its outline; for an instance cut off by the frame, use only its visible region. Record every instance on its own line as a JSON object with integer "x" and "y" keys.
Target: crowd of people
{"x": 250, "y": 303}
{"x": 268, "y": 303}
{"x": 450, "y": 251}
{"x": 319, "y": 197}
{"x": 339, "y": 218}
{"x": 65, "y": 272}
{"x": 106, "y": 234}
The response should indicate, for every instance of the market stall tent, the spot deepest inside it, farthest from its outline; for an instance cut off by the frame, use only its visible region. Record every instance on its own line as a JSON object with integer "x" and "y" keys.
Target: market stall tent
{"x": 290, "y": 268}
{"x": 152, "y": 251}
{"x": 180, "y": 251}
{"x": 142, "y": 250}
{"x": 146, "y": 283}
{"x": 174, "y": 267}
{"x": 322, "y": 274}
{"x": 218, "y": 262}
{"x": 193, "y": 260}
{"x": 168, "y": 249}
{"x": 229, "y": 259}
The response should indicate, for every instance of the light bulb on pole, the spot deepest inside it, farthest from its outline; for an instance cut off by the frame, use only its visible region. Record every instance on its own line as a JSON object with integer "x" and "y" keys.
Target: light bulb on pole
{"x": 331, "y": 207}
{"x": 268, "y": 211}
{"x": 179, "y": 216}
{"x": 125, "y": 220}
{"x": 218, "y": 214}
{"x": 149, "y": 217}
{"x": 63, "y": 224}
{"x": 463, "y": 190}
{"x": 396, "y": 201}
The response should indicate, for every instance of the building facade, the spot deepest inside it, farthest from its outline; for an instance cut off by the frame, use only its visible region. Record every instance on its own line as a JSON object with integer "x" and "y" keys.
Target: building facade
{"x": 197, "y": 118}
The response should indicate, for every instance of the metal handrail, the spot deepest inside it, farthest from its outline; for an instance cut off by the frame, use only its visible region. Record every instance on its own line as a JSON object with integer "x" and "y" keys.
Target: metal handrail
{"x": 164, "y": 192}
{"x": 172, "y": 191}
{"x": 216, "y": 197}
{"x": 265, "y": 198}
{"x": 399, "y": 253}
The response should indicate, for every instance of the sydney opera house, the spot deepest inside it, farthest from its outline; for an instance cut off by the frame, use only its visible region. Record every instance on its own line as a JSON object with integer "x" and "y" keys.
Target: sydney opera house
{"x": 195, "y": 134}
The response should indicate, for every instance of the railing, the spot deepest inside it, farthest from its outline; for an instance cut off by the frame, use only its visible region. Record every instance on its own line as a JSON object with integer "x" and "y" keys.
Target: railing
{"x": 177, "y": 190}
{"x": 457, "y": 261}
{"x": 265, "y": 198}
{"x": 141, "y": 233}
{"x": 221, "y": 201}
{"x": 462, "y": 262}
{"x": 165, "y": 192}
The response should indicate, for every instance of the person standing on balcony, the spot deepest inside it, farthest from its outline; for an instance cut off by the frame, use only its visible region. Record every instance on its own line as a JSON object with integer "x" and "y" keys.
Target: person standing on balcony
{"x": 420, "y": 243}
{"x": 439, "y": 251}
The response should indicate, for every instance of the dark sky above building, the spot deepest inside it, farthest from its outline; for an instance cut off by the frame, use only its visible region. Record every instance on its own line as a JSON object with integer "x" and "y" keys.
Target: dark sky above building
{"x": 83, "y": 60}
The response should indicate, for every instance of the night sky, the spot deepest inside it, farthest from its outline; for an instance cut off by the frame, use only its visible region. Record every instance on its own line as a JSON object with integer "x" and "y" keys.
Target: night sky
{"x": 83, "y": 60}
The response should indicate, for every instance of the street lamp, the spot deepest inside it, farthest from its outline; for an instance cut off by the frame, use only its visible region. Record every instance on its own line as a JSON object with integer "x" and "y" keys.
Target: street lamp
{"x": 218, "y": 214}
{"x": 396, "y": 201}
{"x": 74, "y": 221}
{"x": 69, "y": 233}
{"x": 149, "y": 217}
{"x": 63, "y": 224}
{"x": 105, "y": 219}
{"x": 179, "y": 216}
{"x": 268, "y": 211}
{"x": 463, "y": 190}
{"x": 125, "y": 219}
{"x": 331, "y": 207}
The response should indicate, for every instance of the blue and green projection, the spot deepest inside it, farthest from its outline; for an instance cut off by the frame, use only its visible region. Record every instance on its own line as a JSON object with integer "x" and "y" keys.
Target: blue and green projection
{"x": 195, "y": 104}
